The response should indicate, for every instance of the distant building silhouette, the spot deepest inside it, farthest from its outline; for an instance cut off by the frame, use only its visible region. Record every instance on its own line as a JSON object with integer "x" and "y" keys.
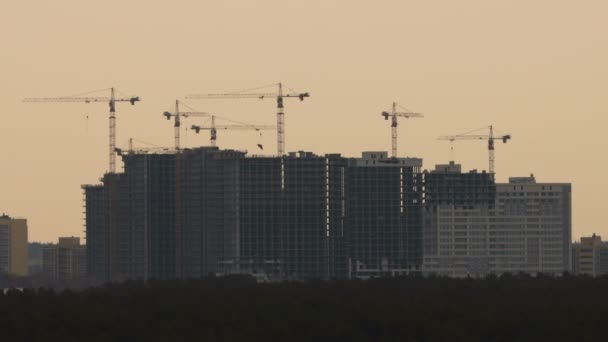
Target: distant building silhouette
{"x": 97, "y": 232}
{"x": 64, "y": 261}
{"x": 13, "y": 245}
{"x": 34, "y": 253}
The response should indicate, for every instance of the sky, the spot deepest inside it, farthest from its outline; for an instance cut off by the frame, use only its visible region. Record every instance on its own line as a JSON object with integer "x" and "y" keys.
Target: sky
{"x": 534, "y": 69}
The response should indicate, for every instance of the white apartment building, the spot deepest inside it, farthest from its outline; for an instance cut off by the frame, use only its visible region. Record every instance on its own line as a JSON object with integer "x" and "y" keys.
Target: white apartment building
{"x": 527, "y": 229}
{"x": 590, "y": 256}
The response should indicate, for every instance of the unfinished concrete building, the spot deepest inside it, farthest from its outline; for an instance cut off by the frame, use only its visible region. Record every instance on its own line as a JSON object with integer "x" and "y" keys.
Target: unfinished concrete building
{"x": 147, "y": 216}
{"x": 96, "y": 230}
{"x": 130, "y": 220}
{"x": 303, "y": 216}
{"x": 207, "y": 235}
{"x": 292, "y": 215}
{"x": 383, "y": 215}
{"x": 209, "y": 211}
{"x": 266, "y": 216}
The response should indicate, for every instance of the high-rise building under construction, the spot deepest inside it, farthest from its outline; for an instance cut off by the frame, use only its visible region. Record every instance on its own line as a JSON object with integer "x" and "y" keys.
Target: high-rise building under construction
{"x": 304, "y": 216}
{"x": 130, "y": 220}
{"x": 383, "y": 216}
{"x": 291, "y": 217}
{"x": 210, "y": 211}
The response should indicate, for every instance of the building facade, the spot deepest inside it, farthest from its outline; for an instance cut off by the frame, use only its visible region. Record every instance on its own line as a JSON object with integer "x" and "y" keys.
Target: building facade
{"x": 209, "y": 211}
{"x": 383, "y": 198}
{"x": 146, "y": 224}
{"x": 457, "y": 211}
{"x": 34, "y": 256}
{"x": 590, "y": 256}
{"x": 534, "y": 227}
{"x": 521, "y": 226}
{"x": 304, "y": 216}
{"x": 96, "y": 230}
{"x": 13, "y": 246}
{"x": 130, "y": 220}
{"x": 207, "y": 235}
{"x": 270, "y": 217}
{"x": 64, "y": 261}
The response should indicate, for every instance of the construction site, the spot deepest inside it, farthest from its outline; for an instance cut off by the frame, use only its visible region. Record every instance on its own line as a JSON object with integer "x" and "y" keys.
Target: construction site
{"x": 190, "y": 212}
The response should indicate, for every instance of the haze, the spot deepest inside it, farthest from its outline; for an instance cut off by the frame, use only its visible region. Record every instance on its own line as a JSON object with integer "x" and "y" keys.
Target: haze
{"x": 534, "y": 69}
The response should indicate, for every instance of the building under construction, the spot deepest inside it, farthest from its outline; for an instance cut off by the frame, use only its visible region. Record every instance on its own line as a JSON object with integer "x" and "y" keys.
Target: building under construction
{"x": 210, "y": 211}
{"x": 384, "y": 199}
{"x": 130, "y": 220}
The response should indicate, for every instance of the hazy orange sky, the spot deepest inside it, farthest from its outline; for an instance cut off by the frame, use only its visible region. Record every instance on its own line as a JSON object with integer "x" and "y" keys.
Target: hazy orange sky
{"x": 535, "y": 69}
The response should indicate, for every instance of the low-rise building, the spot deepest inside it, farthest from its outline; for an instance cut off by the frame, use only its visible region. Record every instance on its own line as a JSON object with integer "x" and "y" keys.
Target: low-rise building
{"x": 590, "y": 256}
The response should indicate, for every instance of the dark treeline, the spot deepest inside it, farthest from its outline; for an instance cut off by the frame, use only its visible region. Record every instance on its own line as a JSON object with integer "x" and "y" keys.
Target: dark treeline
{"x": 41, "y": 280}
{"x": 509, "y": 308}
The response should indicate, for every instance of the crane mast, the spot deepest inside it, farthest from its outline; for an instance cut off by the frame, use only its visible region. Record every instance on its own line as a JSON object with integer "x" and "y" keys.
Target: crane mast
{"x": 112, "y": 137}
{"x": 111, "y": 100}
{"x": 177, "y": 125}
{"x": 490, "y": 137}
{"x": 491, "y": 150}
{"x": 213, "y": 132}
{"x": 280, "y": 122}
{"x": 394, "y": 124}
{"x": 280, "y": 97}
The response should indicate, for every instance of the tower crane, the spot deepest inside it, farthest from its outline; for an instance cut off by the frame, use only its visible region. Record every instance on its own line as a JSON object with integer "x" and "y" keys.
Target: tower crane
{"x": 111, "y": 100}
{"x": 394, "y": 123}
{"x": 212, "y": 128}
{"x": 279, "y": 95}
{"x": 177, "y": 115}
{"x": 489, "y": 137}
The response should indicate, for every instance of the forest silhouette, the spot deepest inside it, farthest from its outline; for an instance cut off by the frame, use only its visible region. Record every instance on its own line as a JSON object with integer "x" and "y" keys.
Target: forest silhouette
{"x": 236, "y": 308}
